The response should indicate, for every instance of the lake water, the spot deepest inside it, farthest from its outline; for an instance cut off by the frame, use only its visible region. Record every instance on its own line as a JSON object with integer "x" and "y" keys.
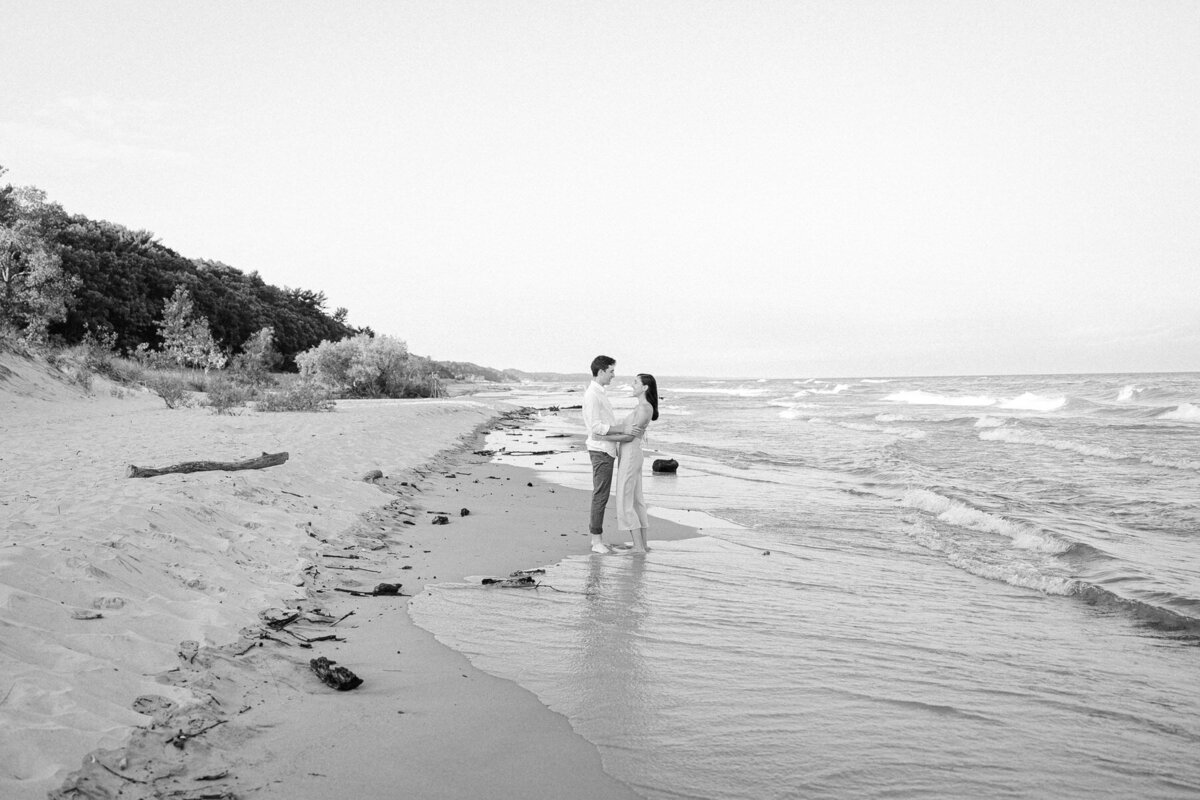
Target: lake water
{"x": 912, "y": 587}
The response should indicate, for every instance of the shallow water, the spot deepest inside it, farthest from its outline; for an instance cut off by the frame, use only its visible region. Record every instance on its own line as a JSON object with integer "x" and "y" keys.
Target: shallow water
{"x": 914, "y": 606}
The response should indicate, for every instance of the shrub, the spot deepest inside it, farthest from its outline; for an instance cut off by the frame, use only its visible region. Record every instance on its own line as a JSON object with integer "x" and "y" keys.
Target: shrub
{"x": 253, "y": 365}
{"x": 11, "y": 340}
{"x": 97, "y": 352}
{"x": 80, "y": 376}
{"x": 170, "y": 388}
{"x": 224, "y": 395}
{"x": 303, "y": 395}
{"x": 195, "y": 380}
{"x": 126, "y": 372}
{"x": 368, "y": 366}
{"x": 70, "y": 365}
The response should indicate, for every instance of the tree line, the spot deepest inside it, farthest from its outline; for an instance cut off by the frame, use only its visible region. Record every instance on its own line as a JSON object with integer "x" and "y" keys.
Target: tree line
{"x": 65, "y": 278}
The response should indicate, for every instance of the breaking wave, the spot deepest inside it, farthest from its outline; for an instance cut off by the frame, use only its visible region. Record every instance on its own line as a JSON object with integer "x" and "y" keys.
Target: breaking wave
{"x": 955, "y": 512}
{"x": 1187, "y": 412}
{"x": 1033, "y": 402}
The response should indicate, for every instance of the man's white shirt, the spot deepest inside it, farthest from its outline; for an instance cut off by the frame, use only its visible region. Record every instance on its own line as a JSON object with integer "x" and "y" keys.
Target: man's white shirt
{"x": 598, "y": 419}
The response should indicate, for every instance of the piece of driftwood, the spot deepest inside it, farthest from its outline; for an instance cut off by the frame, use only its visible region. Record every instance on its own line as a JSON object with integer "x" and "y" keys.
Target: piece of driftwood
{"x": 382, "y": 590}
{"x": 181, "y": 737}
{"x": 520, "y": 582}
{"x": 339, "y": 678}
{"x": 282, "y": 622}
{"x": 306, "y": 641}
{"x": 265, "y": 460}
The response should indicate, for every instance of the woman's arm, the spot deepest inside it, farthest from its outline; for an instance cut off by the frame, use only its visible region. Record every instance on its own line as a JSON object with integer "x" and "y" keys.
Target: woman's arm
{"x": 638, "y": 421}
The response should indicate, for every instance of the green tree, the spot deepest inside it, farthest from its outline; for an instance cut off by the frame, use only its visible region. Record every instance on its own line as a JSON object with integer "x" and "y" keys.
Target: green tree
{"x": 64, "y": 275}
{"x": 125, "y": 277}
{"x": 34, "y": 290}
{"x": 187, "y": 340}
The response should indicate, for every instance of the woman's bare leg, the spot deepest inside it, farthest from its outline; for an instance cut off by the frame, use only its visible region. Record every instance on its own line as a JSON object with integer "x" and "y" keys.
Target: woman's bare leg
{"x": 639, "y": 540}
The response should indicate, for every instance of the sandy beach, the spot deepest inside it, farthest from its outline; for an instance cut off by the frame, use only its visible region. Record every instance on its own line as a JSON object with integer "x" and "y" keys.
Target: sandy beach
{"x": 158, "y": 632}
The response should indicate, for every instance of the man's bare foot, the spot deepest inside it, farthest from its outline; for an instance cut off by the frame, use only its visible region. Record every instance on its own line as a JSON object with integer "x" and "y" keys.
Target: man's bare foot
{"x": 601, "y": 547}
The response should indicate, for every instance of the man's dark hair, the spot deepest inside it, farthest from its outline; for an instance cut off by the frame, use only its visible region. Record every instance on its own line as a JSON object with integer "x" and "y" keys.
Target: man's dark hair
{"x": 601, "y": 363}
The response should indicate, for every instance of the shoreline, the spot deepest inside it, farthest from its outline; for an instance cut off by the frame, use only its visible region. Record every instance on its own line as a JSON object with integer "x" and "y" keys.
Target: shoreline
{"x": 244, "y": 714}
{"x": 436, "y": 702}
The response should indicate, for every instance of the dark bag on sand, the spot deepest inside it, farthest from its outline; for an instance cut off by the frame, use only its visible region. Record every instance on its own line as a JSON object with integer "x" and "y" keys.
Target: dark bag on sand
{"x": 664, "y": 465}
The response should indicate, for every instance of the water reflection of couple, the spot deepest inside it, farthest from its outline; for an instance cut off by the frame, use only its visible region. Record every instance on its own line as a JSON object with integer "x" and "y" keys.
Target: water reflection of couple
{"x": 611, "y": 442}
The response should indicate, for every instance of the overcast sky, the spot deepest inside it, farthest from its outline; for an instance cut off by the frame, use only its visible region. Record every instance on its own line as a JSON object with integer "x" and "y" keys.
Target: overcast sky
{"x": 775, "y": 189}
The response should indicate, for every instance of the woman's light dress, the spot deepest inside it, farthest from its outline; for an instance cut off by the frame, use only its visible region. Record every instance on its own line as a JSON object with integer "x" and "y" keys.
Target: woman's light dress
{"x": 631, "y": 506}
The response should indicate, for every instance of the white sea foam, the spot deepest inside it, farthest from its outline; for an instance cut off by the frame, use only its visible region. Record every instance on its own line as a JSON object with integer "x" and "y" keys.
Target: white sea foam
{"x": 677, "y": 411}
{"x": 988, "y": 422}
{"x": 957, "y": 513}
{"x": 1172, "y": 463}
{"x": 890, "y": 418}
{"x": 1129, "y": 393}
{"x": 785, "y": 403}
{"x": 838, "y": 389}
{"x": 1033, "y": 402}
{"x": 1025, "y": 569}
{"x": 876, "y": 380}
{"x": 793, "y": 410}
{"x": 1022, "y": 575}
{"x": 1188, "y": 412}
{"x": 932, "y": 399}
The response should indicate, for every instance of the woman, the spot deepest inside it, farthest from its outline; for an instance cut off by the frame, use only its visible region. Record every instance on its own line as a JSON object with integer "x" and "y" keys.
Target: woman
{"x": 631, "y": 506}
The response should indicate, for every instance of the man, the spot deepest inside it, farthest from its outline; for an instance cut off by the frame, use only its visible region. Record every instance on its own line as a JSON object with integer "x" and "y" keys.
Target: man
{"x": 601, "y": 444}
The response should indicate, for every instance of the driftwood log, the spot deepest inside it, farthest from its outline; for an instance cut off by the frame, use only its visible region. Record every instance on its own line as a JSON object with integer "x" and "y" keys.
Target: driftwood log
{"x": 517, "y": 582}
{"x": 339, "y": 678}
{"x": 265, "y": 460}
{"x": 381, "y": 590}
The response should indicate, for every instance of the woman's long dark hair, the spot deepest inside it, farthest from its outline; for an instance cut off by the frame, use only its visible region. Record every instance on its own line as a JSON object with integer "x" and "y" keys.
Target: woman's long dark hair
{"x": 651, "y": 392}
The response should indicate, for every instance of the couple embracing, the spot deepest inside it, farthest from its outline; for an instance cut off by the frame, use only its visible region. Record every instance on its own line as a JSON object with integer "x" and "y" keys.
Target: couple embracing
{"x": 609, "y": 443}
